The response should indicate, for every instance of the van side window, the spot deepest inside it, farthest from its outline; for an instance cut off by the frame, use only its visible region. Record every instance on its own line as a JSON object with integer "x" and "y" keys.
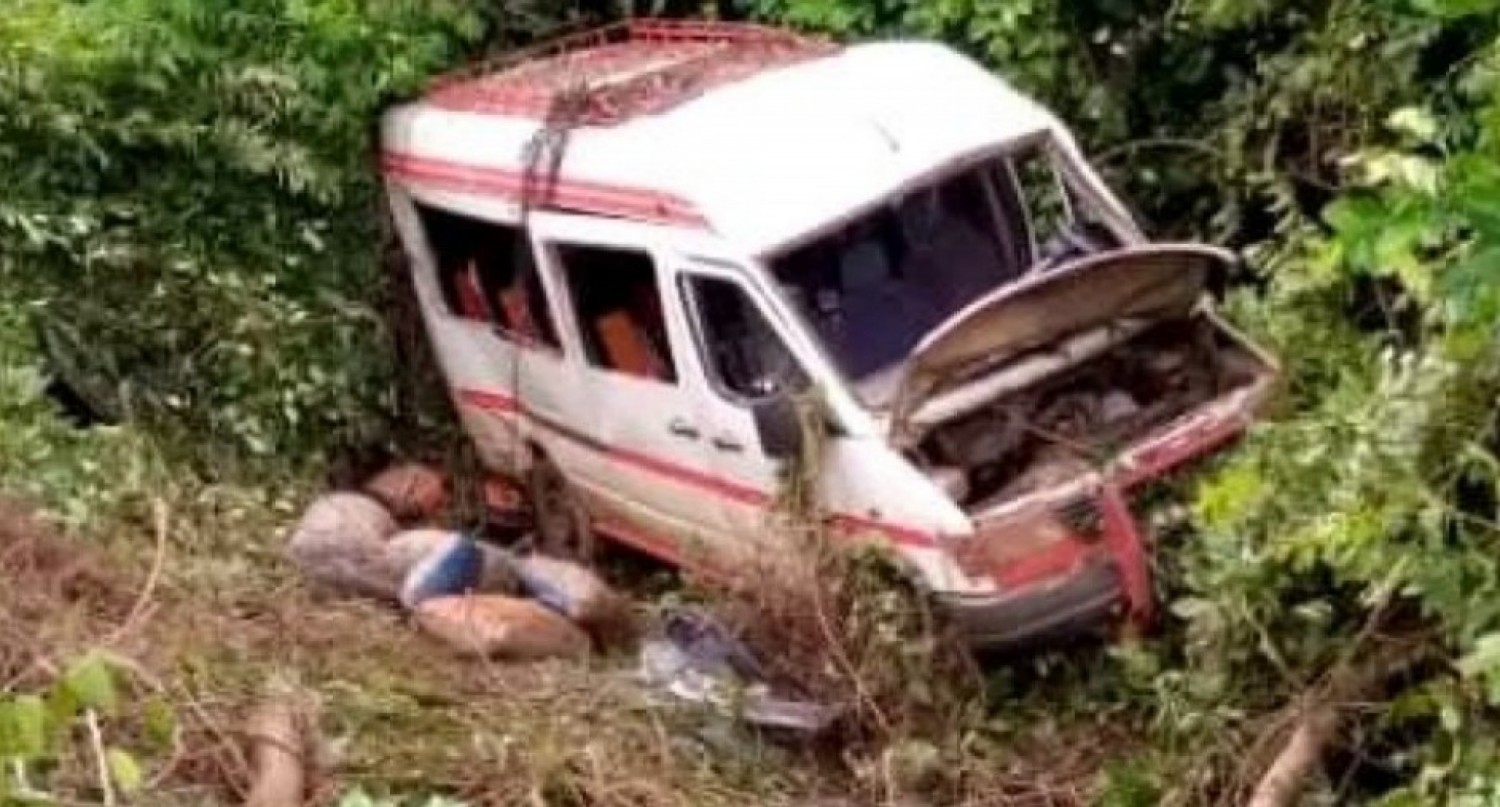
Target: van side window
{"x": 487, "y": 275}
{"x": 744, "y": 354}
{"x": 617, "y": 298}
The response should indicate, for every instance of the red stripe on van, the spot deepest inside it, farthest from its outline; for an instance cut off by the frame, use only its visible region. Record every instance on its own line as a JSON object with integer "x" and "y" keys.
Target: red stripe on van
{"x": 488, "y": 400}
{"x": 601, "y": 198}
{"x": 742, "y": 494}
{"x": 713, "y": 484}
{"x": 853, "y": 525}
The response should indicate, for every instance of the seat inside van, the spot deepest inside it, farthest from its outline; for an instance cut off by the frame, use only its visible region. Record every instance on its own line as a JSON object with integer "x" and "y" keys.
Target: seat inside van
{"x": 618, "y": 304}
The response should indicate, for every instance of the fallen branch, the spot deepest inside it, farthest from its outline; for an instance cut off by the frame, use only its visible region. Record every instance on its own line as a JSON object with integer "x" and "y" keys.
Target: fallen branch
{"x": 1283, "y": 780}
{"x": 101, "y": 759}
{"x": 138, "y": 610}
{"x": 1320, "y": 717}
{"x": 279, "y": 733}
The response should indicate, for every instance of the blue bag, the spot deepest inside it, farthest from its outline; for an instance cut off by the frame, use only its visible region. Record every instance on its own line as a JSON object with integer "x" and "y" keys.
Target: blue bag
{"x": 454, "y": 566}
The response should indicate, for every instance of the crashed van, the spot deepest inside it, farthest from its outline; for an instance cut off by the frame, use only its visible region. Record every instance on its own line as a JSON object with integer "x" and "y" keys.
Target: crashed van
{"x": 636, "y": 249}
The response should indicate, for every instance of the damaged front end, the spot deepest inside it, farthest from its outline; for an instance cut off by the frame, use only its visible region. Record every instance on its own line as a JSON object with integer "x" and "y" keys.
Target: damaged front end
{"x": 1059, "y": 569}
{"x": 1041, "y": 408}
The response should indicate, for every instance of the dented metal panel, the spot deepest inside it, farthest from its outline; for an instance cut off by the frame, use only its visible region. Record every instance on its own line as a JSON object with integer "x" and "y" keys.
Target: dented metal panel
{"x": 1148, "y": 282}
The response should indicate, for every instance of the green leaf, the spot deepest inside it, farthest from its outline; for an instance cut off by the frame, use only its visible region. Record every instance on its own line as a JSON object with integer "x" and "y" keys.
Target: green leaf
{"x": 124, "y": 771}
{"x": 1483, "y": 662}
{"x": 357, "y": 798}
{"x": 1470, "y": 288}
{"x": 1454, "y": 9}
{"x": 1130, "y": 784}
{"x": 23, "y": 727}
{"x": 1415, "y": 122}
{"x": 92, "y": 683}
{"x": 160, "y": 722}
{"x": 62, "y": 706}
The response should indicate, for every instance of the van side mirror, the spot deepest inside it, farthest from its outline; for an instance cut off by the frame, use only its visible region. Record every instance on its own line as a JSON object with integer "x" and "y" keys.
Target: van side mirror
{"x": 779, "y": 426}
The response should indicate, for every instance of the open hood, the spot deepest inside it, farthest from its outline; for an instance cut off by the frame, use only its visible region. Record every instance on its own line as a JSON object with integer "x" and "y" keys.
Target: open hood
{"x": 1145, "y": 282}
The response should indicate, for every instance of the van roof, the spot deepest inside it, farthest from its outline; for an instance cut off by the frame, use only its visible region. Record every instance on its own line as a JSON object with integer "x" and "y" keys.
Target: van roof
{"x": 758, "y": 134}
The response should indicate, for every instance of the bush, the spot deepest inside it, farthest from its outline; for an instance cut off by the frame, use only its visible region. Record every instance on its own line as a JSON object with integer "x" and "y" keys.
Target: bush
{"x": 192, "y": 213}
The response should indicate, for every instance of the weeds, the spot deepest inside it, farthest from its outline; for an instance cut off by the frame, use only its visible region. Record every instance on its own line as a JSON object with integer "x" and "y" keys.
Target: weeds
{"x": 840, "y": 620}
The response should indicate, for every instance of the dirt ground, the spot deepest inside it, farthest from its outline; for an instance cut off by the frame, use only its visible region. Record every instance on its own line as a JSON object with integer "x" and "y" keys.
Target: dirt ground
{"x": 206, "y": 626}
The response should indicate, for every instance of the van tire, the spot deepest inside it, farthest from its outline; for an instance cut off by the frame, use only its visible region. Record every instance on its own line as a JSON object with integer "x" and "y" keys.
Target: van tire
{"x": 560, "y": 520}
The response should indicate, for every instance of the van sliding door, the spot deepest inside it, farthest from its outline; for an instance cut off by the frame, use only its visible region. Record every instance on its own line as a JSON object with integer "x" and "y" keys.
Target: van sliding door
{"x": 623, "y": 422}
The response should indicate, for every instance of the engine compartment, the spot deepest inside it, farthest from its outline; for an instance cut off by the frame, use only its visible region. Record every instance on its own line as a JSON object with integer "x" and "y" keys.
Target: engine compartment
{"x": 1082, "y": 414}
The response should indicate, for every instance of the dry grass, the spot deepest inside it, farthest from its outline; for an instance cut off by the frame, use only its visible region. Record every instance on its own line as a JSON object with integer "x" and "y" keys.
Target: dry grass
{"x": 54, "y": 594}
{"x": 844, "y": 626}
{"x": 224, "y": 617}
{"x": 400, "y": 715}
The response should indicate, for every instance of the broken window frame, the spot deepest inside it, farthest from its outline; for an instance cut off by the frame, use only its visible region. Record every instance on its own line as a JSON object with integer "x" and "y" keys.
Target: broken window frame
{"x": 701, "y": 331}
{"x": 521, "y": 263}
{"x": 1041, "y": 148}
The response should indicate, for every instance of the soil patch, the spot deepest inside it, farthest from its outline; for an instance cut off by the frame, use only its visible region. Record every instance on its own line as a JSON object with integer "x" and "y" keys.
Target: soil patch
{"x": 56, "y": 593}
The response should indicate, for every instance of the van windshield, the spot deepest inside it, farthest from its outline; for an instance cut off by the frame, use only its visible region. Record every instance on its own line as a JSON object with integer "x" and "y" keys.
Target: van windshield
{"x": 875, "y": 286}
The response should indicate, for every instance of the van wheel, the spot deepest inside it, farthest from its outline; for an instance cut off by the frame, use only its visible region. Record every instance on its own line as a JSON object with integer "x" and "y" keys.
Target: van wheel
{"x": 562, "y": 525}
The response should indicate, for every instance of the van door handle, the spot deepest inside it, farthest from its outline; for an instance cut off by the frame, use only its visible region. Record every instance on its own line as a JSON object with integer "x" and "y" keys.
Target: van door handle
{"x": 725, "y": 442}
{"x": 682, "y": 428}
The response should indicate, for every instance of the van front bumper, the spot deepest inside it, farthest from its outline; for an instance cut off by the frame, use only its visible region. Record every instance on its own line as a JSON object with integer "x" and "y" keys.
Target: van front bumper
{"x": 1088, "y": 601}
{"x": 1058, "y": 570}
{"x": 1074, "y": 561}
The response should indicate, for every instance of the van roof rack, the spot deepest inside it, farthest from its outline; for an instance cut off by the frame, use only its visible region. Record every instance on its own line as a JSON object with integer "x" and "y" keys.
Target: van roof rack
{"x": 636, "y": 67}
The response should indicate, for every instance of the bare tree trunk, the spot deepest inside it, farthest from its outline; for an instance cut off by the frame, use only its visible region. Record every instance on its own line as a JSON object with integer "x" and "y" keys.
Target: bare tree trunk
{"x": 279, "y": 751}
{"x": 1281, "y": 782}
{"x": 1319, "y": 720}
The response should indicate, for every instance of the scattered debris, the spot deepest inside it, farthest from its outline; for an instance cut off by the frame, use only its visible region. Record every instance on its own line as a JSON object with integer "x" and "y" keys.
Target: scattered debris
{"x": 711, "y": 645}
{"x": 493, "y": 625}
{"x": 455, "y": 586}
{"x": 407, "y": 548}
{"x": 340, "y": 544}
{"x": 280, "y": 732}
{"x": 697, "y": 660}
{"x": 43, "y": 570}
{"x": 572, "y": 590}
{"x": 411, "y": 491}
{"x": 54, "y": 592}
{"x": 453, "y": 565}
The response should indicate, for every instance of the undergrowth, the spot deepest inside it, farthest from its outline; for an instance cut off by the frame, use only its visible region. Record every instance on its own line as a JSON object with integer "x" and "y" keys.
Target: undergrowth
{"x": 189, "y": 202}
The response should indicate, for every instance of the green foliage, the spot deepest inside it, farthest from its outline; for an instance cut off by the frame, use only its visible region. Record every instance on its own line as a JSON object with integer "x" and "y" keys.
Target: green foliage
{"x": 191, "y": 215}
{"x": 82, "y": 476}
{"x": 38, "y": 729}
{"x": 191, "y": 206}
{"x": 1029, "y": 39}
{"x": 90, "y": 685}
{"x": 1373, "y": 502}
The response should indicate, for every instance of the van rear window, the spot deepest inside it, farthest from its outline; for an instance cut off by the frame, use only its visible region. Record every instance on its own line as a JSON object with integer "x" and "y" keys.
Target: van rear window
{"x": 486, "y": 272}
